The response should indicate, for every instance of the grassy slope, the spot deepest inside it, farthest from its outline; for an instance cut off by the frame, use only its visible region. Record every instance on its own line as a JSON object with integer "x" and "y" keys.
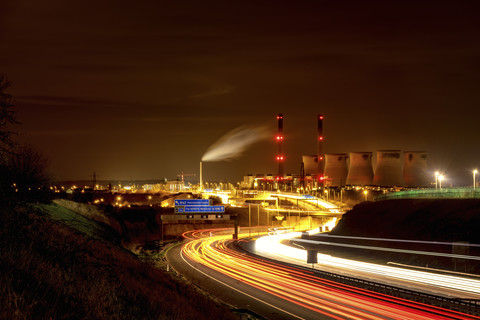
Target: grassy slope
{"x": 418, "y": 219}
{"x": 53, "y": 270}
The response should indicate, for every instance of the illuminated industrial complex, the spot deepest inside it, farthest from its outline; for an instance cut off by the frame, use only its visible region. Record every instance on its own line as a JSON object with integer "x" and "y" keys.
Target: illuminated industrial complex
{"x": 231, "y": 228}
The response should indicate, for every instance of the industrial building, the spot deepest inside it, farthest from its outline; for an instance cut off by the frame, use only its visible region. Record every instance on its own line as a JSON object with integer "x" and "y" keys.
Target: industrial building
{"x": 392, "y": 168}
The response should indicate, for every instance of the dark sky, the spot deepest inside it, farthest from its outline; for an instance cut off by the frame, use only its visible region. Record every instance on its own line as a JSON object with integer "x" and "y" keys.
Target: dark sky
{"x": 140, "y": 90}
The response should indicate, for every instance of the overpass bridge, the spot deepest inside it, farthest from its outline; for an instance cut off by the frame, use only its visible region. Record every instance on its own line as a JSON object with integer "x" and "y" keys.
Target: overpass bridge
{"x": 299, "y": 203}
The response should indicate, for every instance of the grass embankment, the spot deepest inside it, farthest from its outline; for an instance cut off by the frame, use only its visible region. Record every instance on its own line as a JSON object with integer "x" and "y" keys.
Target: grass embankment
{"x": 418, "y": 219}
{"x": 70, "y": 267}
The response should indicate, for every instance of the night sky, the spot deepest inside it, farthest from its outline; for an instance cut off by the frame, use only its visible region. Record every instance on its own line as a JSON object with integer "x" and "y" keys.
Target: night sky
{"x": 140, "y": 90}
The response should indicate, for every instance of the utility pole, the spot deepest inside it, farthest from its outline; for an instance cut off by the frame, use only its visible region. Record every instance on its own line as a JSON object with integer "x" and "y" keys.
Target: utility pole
{"x": 94, "y": 180}
{"x": 249, "y": 219}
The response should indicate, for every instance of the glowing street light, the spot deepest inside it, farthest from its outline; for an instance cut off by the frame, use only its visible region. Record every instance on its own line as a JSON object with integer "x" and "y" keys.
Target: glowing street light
{"x": 474, "y": 181}
{"x": 436, "y": 179}
{"x": 440, "y": 178}
{"x": 365, "y": 192}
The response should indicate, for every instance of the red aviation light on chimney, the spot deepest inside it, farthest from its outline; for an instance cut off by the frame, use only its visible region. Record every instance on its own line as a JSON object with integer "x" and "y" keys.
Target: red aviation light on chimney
{"x": 320, "y": 124}
{"x": 320, "y": 158}
{"x": 280, "y": 158}
{"x": 279, "y": 138}
{"x": 320, "y": 138}
{"x": 279, "y": 117}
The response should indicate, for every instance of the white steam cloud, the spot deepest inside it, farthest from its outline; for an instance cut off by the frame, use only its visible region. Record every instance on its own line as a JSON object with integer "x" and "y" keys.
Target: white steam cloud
{"x": 233, "y": 144}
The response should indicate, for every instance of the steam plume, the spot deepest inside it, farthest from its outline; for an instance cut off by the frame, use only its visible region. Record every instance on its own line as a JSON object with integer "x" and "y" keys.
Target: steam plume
{"x": 233, "y": 144}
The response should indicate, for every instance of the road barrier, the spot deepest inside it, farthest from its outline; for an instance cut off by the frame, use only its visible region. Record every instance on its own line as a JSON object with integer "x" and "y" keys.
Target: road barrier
{"x": 469, "y": 306}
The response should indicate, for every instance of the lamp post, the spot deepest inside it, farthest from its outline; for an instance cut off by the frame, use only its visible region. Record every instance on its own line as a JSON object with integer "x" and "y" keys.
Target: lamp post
{"x": 440, "y": 178}
{"x": 365, "y": 192}
{"x": 474, "y": 173}
{"x": 249, "y": 220}
{"x": 436, "y": 180}
{"x": 258, "y": 218}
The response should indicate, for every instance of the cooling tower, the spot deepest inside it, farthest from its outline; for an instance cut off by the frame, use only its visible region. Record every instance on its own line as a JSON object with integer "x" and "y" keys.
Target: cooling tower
{"x": 388, "y": 172}
{"x": 415, "y": 169}
{"x": 360, "y": 172}
{"x": 336, "y": 169}
{"x": 310, "y": 165}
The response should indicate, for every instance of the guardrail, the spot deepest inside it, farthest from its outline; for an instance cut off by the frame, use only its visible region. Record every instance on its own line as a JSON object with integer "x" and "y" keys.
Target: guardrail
{"x": 470, "y": 306}
{"x": 446, "y": 193}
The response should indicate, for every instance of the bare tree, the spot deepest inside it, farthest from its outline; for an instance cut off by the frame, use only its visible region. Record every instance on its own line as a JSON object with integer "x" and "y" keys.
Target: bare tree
{"x": 22, "y": 169}
{"x": 7, "y": 117}
{"x": 28, "y": 167}
{"x": 24, "y": 177}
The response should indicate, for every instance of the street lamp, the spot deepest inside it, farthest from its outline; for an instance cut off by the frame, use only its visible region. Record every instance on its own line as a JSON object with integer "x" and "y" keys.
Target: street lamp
{"x": 365, "y": 192}
{"x": 474, "y": 173}
{"x": 440, "y": 178}
{"x": 436, "y": 180}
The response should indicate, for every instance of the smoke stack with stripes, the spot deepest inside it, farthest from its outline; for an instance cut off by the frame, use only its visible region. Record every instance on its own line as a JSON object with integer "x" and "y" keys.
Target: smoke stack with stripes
{"x": 279, "y": 140}
{"x": 320, "y": 155}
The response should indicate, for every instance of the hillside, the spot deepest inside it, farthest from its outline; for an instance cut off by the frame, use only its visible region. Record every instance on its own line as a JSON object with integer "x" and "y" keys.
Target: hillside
{"x": 446, "y": 220}
{"x": 418, "y": 219}
{"x": 55, "y": 264}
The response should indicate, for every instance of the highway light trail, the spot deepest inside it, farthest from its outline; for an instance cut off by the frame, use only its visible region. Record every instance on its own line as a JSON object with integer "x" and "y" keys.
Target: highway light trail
{"x": 273, "y": 248}
{"x": 425, "y": 253}
{"x": 301, "y": 287}
{"x": 460, "y": 244}
{"x": 314, "y": 201}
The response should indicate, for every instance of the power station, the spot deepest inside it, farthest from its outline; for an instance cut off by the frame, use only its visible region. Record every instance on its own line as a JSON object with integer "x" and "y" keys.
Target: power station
{"x": 393, "y": 168}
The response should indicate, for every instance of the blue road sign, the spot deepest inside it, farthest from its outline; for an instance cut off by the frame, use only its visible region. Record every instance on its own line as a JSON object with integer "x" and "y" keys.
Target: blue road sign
{"x": 179, "y": 209}
{"x": 191, "y": 209}
{"x": 192, "y": 202}
{"x": 307, "y": 196}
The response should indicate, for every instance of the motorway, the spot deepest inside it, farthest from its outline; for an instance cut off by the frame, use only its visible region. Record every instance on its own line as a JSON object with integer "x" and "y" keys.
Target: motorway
{"x": 421, "y": 281}
{"x": 277, "y": 291}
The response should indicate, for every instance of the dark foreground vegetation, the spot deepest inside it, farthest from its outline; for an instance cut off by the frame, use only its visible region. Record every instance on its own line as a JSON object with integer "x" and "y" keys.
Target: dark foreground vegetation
{"x": 72, "y": 267}
{"x": 49, "y": 270}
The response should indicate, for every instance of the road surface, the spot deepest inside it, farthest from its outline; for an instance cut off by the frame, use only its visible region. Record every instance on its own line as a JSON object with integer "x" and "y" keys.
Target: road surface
{"x": 276, "y": 291}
